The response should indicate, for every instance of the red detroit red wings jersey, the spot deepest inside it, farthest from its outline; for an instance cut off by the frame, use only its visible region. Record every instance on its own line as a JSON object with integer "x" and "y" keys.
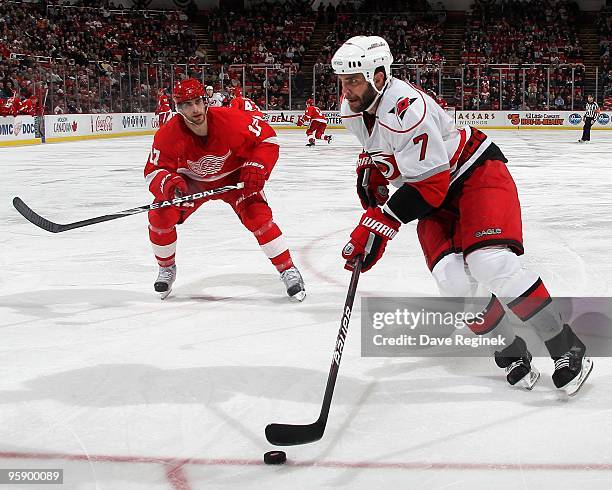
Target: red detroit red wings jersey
{"x": 313, "y": 113}
{"x": 10, "y": 107}
{"x": 163, "y": 104}
{"x": 29, "y": 107}
{"x": 246, "y": 104}
{"x": 234, "y": 137}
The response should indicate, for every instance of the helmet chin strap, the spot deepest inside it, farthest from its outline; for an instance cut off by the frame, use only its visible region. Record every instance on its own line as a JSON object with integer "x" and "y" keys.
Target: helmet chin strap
{"x": 186, "y": 119}
{"x": 378, "y": 93}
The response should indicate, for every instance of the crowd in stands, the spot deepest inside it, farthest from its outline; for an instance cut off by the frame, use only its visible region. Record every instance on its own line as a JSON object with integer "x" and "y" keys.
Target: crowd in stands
{"x": 92, "y": 58}
{"x": 276, "y": 35}
{"x": 82, "y": 57}
{"x": 523, "y": 88}
{"x": 524, "y": 34}
{"x": 91, "y": 34}
{"x": 604, "y": 26}
{"x": 267, "y": 33}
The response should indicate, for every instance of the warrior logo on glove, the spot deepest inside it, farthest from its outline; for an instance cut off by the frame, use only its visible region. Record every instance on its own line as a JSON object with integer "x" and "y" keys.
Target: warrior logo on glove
{"x": 383, "y": 226}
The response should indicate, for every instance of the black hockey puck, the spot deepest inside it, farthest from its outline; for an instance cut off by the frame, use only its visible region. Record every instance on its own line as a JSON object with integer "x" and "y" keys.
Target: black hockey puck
{"x": 275, "y": 457}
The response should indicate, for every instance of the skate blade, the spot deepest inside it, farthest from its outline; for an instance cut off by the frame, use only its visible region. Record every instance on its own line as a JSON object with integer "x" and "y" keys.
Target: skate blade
{"x": 530, "y": 379}
{"x": 575, "y": 384}
{"x": 299, "y": 296}
{"x": 164, "y": 294}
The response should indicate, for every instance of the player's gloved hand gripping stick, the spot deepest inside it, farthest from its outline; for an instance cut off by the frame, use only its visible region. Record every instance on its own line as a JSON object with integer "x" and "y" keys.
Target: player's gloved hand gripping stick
{"x": 47, "y": 225}
{"x": 291, "y": 435}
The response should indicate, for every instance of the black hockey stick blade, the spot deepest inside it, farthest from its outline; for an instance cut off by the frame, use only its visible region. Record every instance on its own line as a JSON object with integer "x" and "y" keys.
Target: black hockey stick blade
{"x": 52, "y": 227}
{"x": 293, "y": 435}
{"x": 35, "y": 218}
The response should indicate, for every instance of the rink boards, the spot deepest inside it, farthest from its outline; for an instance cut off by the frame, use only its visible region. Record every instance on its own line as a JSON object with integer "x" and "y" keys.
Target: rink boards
{"x": 29, "y": 130}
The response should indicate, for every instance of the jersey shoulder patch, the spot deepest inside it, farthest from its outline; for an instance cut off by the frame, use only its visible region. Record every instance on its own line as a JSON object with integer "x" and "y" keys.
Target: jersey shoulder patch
{"x": 402, "y": 106}
{"x": 403, "y": 112}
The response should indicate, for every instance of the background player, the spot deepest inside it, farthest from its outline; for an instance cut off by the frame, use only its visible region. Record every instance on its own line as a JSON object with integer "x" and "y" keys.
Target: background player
{"x": 317, "y": 123}
{"x": 207, "y": 148}
{"x": 163, "y": 109}
{"x": 30, "y": 106}
{"x": 10, "y": 106}
{"x": 456, "y": 183}
{"x": 215, "y": 99}
{"x": 244, "y": 103}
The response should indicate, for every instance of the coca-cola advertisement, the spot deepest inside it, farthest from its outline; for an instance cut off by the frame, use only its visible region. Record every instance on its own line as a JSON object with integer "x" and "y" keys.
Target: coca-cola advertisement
{"x": 102, "y": 123}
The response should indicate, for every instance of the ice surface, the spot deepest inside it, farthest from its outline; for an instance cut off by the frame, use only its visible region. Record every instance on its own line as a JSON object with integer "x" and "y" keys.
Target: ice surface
{"x": 124, "y": 391}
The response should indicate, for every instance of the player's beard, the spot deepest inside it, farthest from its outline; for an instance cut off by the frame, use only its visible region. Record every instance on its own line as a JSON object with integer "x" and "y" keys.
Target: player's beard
{"x": 368, "y": 97}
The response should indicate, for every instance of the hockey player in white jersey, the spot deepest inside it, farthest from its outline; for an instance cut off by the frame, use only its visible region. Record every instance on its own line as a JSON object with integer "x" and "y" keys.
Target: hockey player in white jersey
{"x": 455, "y": 182}
{"x": 215, "y": 99}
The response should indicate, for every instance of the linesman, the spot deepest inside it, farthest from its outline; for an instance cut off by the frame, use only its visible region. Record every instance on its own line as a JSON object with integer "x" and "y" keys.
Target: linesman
{"x": 590, "y": 116}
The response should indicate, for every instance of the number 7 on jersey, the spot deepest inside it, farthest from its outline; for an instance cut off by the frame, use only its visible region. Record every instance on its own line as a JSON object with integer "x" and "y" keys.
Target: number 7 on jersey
{"x": 422, "y": 139}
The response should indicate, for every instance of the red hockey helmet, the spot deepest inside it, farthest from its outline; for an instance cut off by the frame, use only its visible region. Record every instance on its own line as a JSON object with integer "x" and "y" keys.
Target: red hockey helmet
{"x": 187, "y": 89}
{"x": 236, "y": 91}
{"x": 309, "y": 101}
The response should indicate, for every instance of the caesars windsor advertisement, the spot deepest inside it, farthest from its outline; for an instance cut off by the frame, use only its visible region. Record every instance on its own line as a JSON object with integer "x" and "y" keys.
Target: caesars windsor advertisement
{"x": 529, "y": 119}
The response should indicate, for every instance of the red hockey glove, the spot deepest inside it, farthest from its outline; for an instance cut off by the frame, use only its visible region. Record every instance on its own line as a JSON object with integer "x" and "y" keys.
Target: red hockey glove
{"x": 300, "y": 121}
{"x": 173, "y": 185}
{"x": 372, "y": 221}
{"x": 377, "y": 187}
{"x": 254, "y": 176}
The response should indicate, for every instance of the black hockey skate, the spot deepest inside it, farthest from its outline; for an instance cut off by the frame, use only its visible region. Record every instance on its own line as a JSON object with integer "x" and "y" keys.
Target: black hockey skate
{"x": 328, "y": 138}
{"x": 572, "y": 367}
{"x": 310, "y": 143}
{"x": 516, "y": 360}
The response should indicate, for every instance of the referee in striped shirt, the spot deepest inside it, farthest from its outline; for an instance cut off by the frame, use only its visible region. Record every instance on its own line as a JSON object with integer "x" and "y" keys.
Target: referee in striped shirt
{"x": 590, "y": 115}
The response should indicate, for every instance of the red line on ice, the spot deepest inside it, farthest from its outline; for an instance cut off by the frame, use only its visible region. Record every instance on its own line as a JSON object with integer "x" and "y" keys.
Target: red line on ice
{"x": 177, "y": 477}
{"x": 175, "y": 465}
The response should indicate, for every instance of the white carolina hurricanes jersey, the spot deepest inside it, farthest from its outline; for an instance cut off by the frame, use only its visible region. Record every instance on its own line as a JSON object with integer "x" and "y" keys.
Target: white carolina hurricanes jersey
{"x": 413, "y": 138}
{"x": 216, "y": 100}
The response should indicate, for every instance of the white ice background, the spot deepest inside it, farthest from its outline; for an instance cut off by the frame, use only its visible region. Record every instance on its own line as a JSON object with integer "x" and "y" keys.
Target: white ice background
{"x": 125, "y": 391}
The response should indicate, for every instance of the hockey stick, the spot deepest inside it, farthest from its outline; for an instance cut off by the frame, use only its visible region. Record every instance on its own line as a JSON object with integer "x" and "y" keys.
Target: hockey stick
{"x": 290, "y": 434}
{"x": 47, "y": 225}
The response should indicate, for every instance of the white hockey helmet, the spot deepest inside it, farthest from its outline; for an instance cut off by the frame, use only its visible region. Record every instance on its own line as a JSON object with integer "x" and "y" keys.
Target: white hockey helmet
{"x": 363, "y": 54}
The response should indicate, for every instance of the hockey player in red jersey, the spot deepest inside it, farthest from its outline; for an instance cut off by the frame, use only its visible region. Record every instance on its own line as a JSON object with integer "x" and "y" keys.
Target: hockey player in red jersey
{"x": 244, "y": 103}
{"x": 317, "y": 123}
{"x": 456, "y": 183}
{"x": 206, "y": 148}
{"x": 29, "y": 106}
{"x": 163, "y": 109}
{"x": 10, "y": 106}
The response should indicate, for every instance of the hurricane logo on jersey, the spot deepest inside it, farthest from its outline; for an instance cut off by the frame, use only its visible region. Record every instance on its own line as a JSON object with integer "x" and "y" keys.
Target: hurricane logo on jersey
{"x": 208, "y": 164}
{"x": 387, "y": 165}
{"x": 402, "y": 106}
